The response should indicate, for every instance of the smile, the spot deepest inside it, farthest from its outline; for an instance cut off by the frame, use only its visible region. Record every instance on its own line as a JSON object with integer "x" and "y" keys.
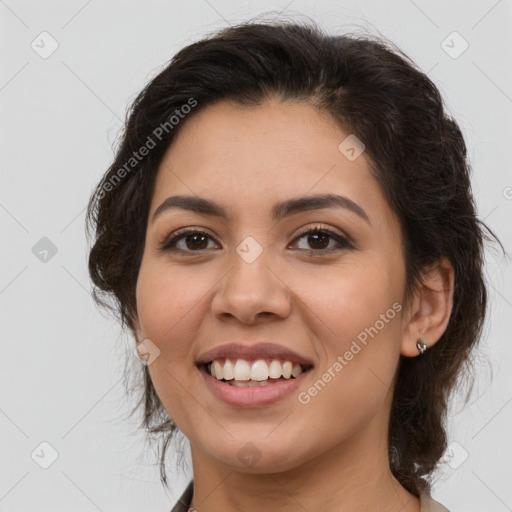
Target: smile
{"x": 245, "y": 383}
{"x": 261, "y": 372}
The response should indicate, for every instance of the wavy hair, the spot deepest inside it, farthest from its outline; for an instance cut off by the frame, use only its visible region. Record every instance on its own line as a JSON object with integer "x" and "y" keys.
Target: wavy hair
{"x": 417, "y": 154}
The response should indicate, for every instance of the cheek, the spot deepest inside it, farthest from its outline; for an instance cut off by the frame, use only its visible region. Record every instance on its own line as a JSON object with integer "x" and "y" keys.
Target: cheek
{"x": 168, "y": 301}
{"x": 351, "y": 299}
{"x": 170, "y": 309}
{"x": 172, "y": 305}
{"x": 353, "y": 385}
{"x": 357, "y": 320}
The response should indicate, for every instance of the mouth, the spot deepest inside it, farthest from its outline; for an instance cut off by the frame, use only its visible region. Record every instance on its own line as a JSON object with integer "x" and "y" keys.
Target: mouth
{"x": 258, "y": 375}
{"x": 240, "y": 390}
{"x": 254, "y": 373}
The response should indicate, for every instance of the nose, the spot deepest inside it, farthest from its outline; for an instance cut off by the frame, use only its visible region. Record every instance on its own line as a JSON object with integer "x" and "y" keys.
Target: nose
{"x": 252, "y": 291}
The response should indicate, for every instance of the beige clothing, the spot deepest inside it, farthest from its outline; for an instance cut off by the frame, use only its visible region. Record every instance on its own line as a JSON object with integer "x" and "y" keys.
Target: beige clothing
{"x": 428, "y": 504}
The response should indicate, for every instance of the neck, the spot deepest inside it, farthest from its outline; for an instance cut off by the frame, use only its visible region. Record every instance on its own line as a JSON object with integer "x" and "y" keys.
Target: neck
{"x": 354, "y": 475}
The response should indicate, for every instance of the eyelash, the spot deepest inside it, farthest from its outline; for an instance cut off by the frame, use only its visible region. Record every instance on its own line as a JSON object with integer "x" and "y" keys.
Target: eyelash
{"x": 168, "y": 245}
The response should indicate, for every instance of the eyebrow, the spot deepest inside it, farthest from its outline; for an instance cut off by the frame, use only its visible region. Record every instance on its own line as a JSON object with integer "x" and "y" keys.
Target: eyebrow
{"x": 279, "y": 211}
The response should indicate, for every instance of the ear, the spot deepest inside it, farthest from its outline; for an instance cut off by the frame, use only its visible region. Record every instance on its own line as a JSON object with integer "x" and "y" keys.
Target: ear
{"x": 430, "y": 309}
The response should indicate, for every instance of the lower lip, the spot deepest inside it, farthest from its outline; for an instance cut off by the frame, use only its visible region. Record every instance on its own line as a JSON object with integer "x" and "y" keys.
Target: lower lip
{"x": 254, "y": 396}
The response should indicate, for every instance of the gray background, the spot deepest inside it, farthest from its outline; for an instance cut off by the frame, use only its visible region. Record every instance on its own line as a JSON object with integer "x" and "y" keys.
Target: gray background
{"x": 62, "y": 360}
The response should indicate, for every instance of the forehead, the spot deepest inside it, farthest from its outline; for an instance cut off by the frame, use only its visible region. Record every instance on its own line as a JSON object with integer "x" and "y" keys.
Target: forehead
{"x": 247, "y": 157}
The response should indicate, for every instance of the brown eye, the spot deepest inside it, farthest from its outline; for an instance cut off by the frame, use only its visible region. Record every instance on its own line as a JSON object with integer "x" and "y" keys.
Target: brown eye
{"x": 319, "y": 241}
{"x": 322, "y": 241}
{"x": 196, "y": 241}
{"x": 187, "y": 241}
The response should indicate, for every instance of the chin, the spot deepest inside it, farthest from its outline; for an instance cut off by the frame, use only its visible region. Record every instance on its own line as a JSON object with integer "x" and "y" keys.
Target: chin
{"x": 258, "y": 456}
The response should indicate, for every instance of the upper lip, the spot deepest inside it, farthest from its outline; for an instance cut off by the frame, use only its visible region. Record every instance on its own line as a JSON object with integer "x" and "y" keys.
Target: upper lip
{"x": 260, "y": 350}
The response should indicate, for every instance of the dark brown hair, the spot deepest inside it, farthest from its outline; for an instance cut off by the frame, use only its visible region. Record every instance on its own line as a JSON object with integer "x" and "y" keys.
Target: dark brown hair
{"x": 417, "y": 154}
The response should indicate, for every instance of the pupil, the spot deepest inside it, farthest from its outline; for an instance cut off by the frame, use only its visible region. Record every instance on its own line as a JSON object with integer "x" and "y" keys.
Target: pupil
{"x": 321, "y": 235}
{"x": 195, "y": 245}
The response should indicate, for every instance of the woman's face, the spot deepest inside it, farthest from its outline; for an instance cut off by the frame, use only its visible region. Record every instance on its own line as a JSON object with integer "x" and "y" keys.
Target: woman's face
{"x": 255, "y": 275}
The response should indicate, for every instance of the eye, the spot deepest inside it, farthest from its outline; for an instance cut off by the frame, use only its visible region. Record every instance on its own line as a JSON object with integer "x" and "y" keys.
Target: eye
{"x": 323, "y": 240}
{"x": 187, "y": 240}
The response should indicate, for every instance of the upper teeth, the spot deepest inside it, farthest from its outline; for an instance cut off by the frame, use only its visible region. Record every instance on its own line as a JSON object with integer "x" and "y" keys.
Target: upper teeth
{"x": 259, "y": 370}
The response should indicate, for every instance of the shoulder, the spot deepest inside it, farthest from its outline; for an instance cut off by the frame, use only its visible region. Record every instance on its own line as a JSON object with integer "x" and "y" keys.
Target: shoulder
{"x": 429, "y": 504}
{"x": 183, "y": 504}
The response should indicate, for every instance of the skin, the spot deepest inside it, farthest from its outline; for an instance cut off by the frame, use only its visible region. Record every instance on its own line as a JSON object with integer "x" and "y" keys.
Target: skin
{"x": 330, "y": 454}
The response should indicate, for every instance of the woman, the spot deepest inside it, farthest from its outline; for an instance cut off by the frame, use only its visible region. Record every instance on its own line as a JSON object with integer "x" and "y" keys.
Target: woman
{"x": 289, "y": 233}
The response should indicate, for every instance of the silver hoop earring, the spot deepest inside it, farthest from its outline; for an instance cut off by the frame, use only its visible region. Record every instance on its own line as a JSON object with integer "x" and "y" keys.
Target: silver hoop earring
{"x": 422, "y": 346}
